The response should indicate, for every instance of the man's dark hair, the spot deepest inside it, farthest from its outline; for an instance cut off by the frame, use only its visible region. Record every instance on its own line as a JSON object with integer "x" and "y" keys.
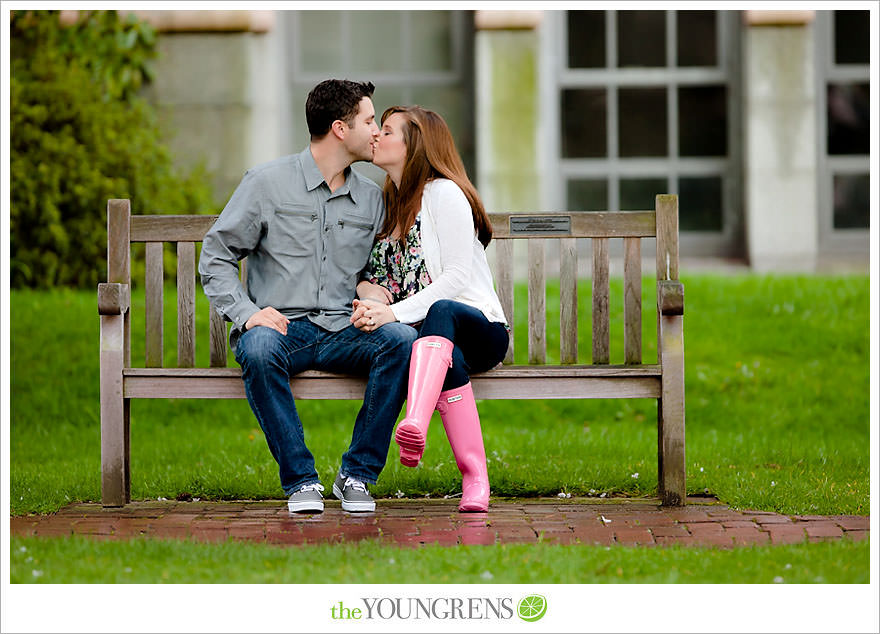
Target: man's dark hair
{"x": 334, "y": 99}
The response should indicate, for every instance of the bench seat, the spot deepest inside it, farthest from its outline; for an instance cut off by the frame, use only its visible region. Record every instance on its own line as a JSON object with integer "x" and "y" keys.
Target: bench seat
{"x": 506, "y": 382}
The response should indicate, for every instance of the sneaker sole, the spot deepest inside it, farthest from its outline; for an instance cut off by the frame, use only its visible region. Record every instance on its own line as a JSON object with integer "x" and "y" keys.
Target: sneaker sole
{"x": 305, "y": 507}
{"x": 353, "y": 507}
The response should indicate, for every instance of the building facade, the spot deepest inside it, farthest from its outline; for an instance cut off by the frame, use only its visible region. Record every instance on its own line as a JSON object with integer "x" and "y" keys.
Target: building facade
{"x": 758, "y": 120}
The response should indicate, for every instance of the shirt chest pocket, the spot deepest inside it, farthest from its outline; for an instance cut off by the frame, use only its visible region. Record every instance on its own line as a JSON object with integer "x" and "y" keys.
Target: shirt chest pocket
{"x": 354, "y": 240}
{"x": 294, "y": 230}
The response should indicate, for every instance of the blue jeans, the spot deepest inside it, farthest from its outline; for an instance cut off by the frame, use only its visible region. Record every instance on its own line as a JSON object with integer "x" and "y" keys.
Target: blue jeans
{"x": 480, "y": 344}
{"x": 269, "y": 359}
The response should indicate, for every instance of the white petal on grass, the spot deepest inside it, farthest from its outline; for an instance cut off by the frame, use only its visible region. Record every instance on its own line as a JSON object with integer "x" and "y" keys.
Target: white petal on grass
{"x": 487, "y": 575}
{"x": 778, "y": 580}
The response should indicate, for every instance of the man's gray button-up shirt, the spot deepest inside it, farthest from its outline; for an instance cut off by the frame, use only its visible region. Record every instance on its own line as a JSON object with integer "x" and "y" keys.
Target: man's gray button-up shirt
{"x": 305, "y": 245}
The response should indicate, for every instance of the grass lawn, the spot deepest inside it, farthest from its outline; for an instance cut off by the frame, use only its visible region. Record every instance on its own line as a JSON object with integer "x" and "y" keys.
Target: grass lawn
{"x": 777, "y": 397}
{"x": 777, "y": 384}
{"x": 85, "y": 560}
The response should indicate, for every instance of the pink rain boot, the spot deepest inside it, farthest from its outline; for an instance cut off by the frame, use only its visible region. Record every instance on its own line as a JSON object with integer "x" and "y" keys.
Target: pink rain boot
{"x": 458, "y": 411}
{"x": 431, "y": 358}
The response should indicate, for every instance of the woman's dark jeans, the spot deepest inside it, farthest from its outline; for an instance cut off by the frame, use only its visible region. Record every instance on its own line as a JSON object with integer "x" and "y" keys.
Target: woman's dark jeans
{"x": 480, "y": 344}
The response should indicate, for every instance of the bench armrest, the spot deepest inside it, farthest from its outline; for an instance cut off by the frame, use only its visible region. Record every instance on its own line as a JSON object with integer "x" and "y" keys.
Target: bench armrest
{"x": 670, "y": 297}
{"x": 113, "y": 298}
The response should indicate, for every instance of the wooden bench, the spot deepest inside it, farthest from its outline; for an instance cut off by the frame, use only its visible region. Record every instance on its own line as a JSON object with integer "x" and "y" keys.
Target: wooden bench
{"x": 663, "y": 380}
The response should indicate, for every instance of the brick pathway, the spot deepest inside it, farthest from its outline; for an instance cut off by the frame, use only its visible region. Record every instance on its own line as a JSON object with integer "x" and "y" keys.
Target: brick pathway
{"x": 416, "y": 522}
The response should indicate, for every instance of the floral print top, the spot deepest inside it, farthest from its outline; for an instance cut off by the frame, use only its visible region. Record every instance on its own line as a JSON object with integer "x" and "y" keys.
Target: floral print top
{"x": 401, "y": 271}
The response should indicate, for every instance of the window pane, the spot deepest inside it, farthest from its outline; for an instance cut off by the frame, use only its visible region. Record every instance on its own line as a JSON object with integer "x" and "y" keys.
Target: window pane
{"x": 637, "y": 194}
{"x": 368, "y": 28}
{"x": 697, "y": 38}
{"x": 852, "y": 42}
{"x": 702, "y": 121}
{"x": 700, "y": 204}
{"x": 642, "y": 120}
{"x": 583, "y": 123}
{"x": 641, "y": 38}
{"x": 587, "y": 195}
{"x": 851, "y": 201}
{"x": 431, "y": 39}
{"x": 586, "y": 39}
{"x": 848, "y": 119}
{"x": 321, "y": 33}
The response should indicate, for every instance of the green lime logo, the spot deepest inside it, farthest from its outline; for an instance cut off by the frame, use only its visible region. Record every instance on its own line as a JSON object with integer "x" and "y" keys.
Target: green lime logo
{"x": 532, "y": 608}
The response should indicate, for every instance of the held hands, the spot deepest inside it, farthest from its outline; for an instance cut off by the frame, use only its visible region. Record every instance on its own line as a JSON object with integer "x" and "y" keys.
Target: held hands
{"x": 270, "y": 318}
{"x": 368, "y": 315}
{"x": 367, "y": 290}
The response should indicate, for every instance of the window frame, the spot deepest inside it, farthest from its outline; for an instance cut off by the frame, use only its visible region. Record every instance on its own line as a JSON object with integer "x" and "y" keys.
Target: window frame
{"x": 831, "y": 240}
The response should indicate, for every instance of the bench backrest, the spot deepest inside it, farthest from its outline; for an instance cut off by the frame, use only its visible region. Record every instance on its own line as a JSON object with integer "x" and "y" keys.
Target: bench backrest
{"x": 568, "y": 228}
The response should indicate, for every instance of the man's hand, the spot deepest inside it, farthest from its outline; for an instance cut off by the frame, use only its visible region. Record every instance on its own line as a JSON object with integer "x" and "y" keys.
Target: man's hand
{"x": 270, "y": 318}
{"x": 368, "y": 290}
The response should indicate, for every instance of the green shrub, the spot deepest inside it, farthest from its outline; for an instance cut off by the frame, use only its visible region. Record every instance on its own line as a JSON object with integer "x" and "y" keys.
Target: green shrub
{"x": 80, "y": 134}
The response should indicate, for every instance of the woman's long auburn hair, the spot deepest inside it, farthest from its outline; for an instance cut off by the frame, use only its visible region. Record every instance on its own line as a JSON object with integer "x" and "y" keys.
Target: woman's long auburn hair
{"x": 430, "y": 154}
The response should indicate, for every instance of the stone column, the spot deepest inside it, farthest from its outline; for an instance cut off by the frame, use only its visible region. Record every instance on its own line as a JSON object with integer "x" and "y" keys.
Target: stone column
{"x": 780, "y": 145}
{"x": 507, "y": 117}
{"x": 507, "y": 109}
{"x": 218, "y": 89}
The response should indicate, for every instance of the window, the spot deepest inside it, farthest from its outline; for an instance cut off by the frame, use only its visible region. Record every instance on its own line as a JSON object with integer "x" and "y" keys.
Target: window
{"x": 645, "y": 101}
{"x": 413, "y": 57}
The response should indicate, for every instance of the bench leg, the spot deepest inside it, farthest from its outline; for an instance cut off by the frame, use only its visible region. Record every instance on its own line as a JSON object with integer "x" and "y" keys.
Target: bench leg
{"x": 115, "y": 477}
{"x": 670, "y": 414}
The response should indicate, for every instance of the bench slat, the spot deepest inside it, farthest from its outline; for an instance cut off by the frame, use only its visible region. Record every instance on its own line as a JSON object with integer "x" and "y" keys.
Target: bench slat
{"x": 585, "y": 224}
{"x": 504, "y": 277}
{"x": 568, "y": 312}
{"x": 537, "y": 303}
{"x": 218, "y": 339}
{"x": 186, "y": 304}
{"x": 154, "y": 283}
{"x": 601, "y": 325}
{"x": 632, "y": 300}
{"x": 170, "y": 228}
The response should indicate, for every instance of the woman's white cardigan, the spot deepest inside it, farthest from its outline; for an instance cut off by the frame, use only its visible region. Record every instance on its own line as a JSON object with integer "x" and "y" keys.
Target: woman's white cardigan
{"x": 454, "y": 257}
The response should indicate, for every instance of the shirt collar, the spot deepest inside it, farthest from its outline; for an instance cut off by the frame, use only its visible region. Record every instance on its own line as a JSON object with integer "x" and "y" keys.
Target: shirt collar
{"x": 314, "y": 178}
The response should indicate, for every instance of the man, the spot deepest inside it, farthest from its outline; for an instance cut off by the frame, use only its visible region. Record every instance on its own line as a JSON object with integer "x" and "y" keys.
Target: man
{"x": 306, "y": 223}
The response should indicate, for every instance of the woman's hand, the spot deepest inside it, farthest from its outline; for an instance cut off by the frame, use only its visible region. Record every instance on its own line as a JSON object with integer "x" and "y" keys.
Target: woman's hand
{"x": 367, "y": 290}
{"x": 370, "y": 315}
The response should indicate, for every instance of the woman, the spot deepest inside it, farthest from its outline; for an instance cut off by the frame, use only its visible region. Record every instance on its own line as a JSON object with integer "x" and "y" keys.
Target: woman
{"x": 428, "y": 268}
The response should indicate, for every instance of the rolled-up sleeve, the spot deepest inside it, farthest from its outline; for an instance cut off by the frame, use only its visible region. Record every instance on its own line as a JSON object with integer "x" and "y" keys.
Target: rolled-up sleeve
{"x": 233, "y": 236}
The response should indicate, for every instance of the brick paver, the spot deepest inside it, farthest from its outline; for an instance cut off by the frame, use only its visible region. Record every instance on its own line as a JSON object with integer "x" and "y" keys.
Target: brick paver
{"x": 412, "y": 523}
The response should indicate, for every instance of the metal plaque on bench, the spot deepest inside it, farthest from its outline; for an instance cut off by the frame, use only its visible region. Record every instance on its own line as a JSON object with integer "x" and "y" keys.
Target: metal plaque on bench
{"x": 540, "y": 225}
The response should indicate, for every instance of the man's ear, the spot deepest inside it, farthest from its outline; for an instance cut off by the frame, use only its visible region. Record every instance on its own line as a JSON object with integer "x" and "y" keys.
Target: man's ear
{"x": 339, "y": 128}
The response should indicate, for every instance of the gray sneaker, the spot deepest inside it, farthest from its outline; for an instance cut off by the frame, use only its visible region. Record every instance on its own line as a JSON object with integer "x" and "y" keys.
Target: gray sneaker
{"x": 354, "y": 494}
{"x": 307, "y": 500}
